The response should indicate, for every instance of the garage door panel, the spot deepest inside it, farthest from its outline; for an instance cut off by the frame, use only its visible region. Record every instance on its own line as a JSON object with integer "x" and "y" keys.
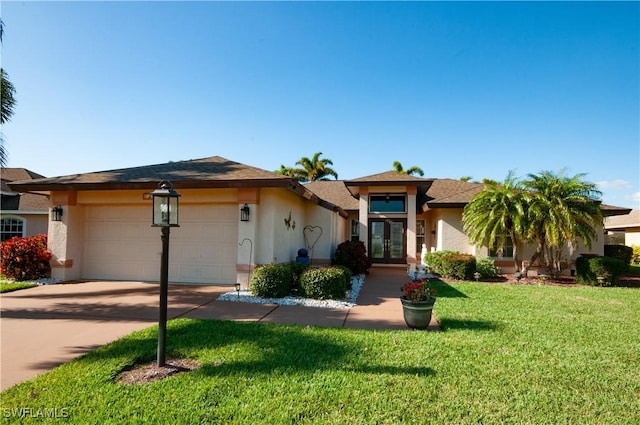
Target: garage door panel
{"x": 121, "y": 244}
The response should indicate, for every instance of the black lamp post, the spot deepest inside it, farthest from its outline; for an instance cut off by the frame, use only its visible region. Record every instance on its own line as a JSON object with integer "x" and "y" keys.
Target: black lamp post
{"x": 165, "y": 216}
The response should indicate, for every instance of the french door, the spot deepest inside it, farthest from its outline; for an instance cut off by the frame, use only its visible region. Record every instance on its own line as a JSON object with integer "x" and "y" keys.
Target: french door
{"x": 387, "y": 240}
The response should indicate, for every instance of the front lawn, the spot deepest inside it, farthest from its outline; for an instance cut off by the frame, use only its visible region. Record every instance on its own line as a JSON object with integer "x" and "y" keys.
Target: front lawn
{"x": 8, "y": 286}
{"x": 508, "y": 354}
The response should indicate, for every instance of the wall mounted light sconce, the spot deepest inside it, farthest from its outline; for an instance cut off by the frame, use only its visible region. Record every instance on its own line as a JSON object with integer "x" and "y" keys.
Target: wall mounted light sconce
{"x": 244, "y": 213}
{"x": 56, "y": 213}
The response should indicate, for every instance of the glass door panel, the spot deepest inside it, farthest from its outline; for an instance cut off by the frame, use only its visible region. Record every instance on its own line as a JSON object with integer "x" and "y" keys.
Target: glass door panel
{"x": 396, "y": 241}
{"x": 377, "y": 241}
{"x": 387, "y": 241}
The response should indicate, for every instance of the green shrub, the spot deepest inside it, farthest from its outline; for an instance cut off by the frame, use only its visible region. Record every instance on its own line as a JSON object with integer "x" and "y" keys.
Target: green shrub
{"x": 348, "y": 274}
{"x": 25, "y": 258}
{"x": 635, "y": 257}
{"x": 486, "y": 267}
{"x": 272, "y": 280}
{"x": 296, "y": 270}
{"x": 451, "y": 264}
{"x": 324, "y": 283}
{"x": 609, "y": 269}
{"x": 433, "y": 260}
{"x": 353, "y": 254}
{"x": 621, "y": 252}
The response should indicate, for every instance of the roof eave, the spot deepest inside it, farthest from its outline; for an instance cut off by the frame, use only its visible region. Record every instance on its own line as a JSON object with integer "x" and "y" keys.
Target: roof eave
{"x": 145, "y": 185}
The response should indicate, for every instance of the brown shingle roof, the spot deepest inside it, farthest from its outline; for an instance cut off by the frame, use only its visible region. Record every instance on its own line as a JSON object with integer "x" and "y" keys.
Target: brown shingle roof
{"x": 386, "y": 178}
{"x": 451, "y": 193}
{"x": 206, "y": 172}
{"x": 24, "y": 201}
{"x": 334, "y": 191}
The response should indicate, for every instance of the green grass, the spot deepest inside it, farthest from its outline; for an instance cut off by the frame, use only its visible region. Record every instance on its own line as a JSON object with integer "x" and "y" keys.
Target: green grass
{"x": 508, "y": 354}
{"x": 6, "y": 286}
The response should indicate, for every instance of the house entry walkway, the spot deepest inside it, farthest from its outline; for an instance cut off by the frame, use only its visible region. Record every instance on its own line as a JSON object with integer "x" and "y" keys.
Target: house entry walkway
{"x": 43, "y": 327}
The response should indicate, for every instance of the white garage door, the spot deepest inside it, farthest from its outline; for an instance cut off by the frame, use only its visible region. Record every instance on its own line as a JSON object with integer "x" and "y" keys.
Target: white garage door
{"x": 120, "y": 244}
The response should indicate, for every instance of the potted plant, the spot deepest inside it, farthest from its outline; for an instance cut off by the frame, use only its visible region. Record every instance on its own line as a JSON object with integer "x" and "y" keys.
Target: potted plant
{"x": 417, "y": 303}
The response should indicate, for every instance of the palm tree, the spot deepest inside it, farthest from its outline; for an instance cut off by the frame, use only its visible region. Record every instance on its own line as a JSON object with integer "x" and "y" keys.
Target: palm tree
{"x": 563, "y": 209}
{"x": 7, "y": 102}
{"x": 285, "y": 171}
{"x": 497, "y": 213}
{"x": 397, "y": 167}
{"x": 314, "y": 169}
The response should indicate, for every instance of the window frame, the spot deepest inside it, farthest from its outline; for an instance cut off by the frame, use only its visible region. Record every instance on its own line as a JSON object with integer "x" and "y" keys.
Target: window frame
{"x": 21, "y": 222}
{"x": 508, "y": 248}
{"x": 387, "y": 198}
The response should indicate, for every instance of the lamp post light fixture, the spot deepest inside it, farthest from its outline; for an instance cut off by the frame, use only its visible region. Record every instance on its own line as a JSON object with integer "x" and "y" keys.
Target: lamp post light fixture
{"x": 165, "y": 216}
{"x": 56, "y": 213}
{"x": 238, "y": 289}
{"x": 244, "y": 213}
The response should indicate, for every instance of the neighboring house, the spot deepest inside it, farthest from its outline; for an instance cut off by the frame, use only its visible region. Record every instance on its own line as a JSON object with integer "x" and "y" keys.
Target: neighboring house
{"x": 22, "y": 214}
{"x": 106, "y": 232}
{"x": 626, "y": 226}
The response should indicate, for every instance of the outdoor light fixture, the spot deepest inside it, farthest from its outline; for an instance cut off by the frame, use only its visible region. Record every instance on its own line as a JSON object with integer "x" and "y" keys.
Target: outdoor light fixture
{"x": 244, "y": 213}
{"x": 165, "y": 216}
{"x": 56, "y": 213}
{"x": 238, "y": 289}
{"x": 476, "y": 276}
{"x": 165, "y": 205}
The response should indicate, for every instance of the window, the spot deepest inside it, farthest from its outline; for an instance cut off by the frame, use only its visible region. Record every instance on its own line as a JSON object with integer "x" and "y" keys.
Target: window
{"x": 10, "y": 227}
{"x": 387, "y": 204}
{"x": 507, "y": 249}
{"x": 420, "y": 236}
{"x": 355, "y": 230}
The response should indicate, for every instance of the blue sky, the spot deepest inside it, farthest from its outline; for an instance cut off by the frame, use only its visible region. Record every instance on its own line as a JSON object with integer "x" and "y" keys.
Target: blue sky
{"x": 459, "y": 89}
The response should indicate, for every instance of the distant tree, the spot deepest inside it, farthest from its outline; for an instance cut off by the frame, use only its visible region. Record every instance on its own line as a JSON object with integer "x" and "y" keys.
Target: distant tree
{"x": 497, "y": 213}
{"x": 285, "y": 171}
{"x": 466, "y": 178}
{"x": 314, "y": 168}
{"x": 562, "y": 209}
{"x": 7, "y": 102}
{"x": 397, "y": 167}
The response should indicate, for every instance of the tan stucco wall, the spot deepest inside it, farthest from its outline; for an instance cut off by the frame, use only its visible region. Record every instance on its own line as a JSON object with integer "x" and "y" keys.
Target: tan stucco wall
{"x": 449, "y": 233}
{"x": 34, "y": 224}
{"x": 632, "y": 237}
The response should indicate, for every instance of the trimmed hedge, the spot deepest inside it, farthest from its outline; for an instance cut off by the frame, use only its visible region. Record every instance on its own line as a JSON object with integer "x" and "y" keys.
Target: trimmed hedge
{"x": 325, "y": 283}
{"x": 486, "y": 266}
{"x": 272, "y": 280}
{"x": 451, "y": 264}
{"x": 621, "y": 252}
{"x": 635, "y": 258}
{"x": 25, "y": 258}
{"x": 353, "y": 254}
{"x": 588, "y": 269}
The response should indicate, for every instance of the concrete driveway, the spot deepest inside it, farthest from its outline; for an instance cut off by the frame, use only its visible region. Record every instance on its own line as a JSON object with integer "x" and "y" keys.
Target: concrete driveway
{"x": 45, "y": 326}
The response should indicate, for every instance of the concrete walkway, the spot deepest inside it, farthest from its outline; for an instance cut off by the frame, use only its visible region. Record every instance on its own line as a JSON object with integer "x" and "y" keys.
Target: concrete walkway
{"x": 43, "y": 327}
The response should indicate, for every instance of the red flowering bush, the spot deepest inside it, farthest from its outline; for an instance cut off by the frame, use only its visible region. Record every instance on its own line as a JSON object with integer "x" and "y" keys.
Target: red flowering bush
{"x": 25, "y": 258}
{"x": 419, "y": 290}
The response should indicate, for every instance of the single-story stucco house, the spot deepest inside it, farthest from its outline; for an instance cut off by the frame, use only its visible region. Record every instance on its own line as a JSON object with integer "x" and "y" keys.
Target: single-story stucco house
{"x": 21, "y": 214}
{"x": 627, "y": 226}
{"x": 105, "y": 230}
